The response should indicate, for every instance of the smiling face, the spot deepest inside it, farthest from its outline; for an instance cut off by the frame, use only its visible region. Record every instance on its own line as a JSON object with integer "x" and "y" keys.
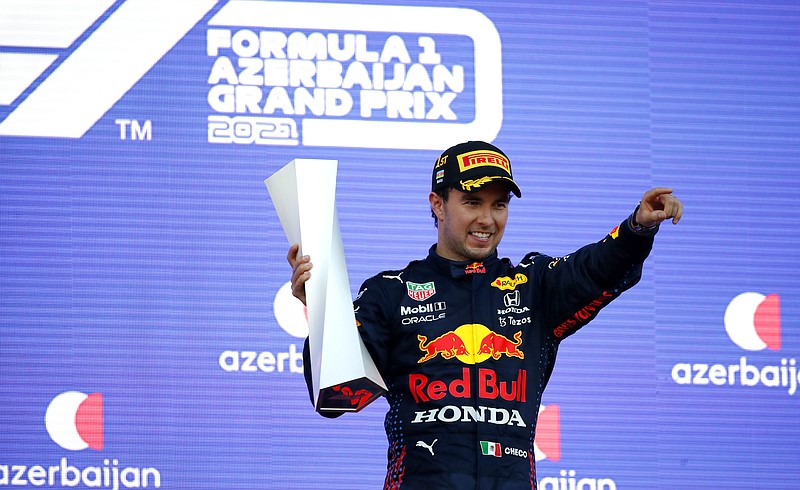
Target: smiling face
{"x": 471, "y": 224}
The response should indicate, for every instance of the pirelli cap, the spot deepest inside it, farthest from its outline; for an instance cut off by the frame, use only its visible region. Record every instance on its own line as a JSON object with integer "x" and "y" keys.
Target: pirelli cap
{"x": 472, "y": 165}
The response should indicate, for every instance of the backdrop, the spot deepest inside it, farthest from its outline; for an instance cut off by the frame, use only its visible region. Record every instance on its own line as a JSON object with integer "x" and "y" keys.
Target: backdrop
{"x": 147, "y": 338}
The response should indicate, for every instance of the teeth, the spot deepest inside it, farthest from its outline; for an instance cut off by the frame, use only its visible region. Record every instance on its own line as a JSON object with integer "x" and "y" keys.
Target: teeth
{"x": 480, "y": 234}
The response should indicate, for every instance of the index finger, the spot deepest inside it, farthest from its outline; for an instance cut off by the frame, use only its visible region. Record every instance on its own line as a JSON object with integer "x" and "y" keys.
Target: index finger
{"x": 678, "y": 213}
{"x": 655, "y": 192}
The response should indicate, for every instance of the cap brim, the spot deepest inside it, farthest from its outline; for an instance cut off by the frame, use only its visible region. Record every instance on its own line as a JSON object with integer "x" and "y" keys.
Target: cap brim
{"x": 514, "y": 187}
{"x": 491, "y": 180}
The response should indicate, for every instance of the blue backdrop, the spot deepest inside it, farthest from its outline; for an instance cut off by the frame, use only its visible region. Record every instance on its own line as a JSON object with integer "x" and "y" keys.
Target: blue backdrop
{"x": 141, "y": 258}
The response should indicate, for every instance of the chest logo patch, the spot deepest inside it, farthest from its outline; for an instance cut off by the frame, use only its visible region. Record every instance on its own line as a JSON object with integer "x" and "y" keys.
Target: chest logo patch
{"x": 471, "y": 344}
{"x": 475, "y": 268}
{"x": 420, "y": 292}
{"x": 506, "y": 283}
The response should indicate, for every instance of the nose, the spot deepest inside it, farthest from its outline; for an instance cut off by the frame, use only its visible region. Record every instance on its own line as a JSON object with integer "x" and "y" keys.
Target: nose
{"x": 485, "y": 216}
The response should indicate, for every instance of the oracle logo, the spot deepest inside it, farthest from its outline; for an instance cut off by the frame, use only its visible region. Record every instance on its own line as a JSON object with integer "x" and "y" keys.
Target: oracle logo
{"x": 547, "y": 444}
{"x": 74, "y": 420}
{"x": 753, "y": 321}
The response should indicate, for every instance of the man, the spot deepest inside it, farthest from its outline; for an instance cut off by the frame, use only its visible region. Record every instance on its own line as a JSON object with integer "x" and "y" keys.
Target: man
{"x": 467, "y": 341}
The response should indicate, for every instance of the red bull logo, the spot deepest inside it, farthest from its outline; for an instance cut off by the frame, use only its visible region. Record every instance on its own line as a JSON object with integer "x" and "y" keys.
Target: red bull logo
{"x": 497, "y": 345}
{"x": 448, "y": 345}
{"x": 471, "y": 344}
{"x": 475, "y": 268}
{"x": 488, "y": 386}
{"x": 356, "y": 398}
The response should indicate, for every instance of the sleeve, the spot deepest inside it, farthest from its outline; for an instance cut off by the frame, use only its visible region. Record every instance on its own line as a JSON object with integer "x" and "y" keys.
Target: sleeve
{"x": 310, "y": 382}
{"x": 373, "y": 316}
{"x": 577, "y": 286}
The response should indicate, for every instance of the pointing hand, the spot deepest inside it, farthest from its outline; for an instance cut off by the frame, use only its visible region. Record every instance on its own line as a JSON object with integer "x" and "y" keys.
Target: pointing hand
{"x": 658, "y": 204}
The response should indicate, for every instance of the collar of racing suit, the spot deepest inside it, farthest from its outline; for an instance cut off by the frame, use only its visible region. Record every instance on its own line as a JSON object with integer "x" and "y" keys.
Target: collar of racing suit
{"x": 459, "y": 269}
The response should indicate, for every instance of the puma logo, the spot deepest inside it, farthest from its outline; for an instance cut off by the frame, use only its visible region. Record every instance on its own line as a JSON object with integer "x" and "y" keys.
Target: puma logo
{"x": 429, "y": 448}
{"x": 385, "y": 276}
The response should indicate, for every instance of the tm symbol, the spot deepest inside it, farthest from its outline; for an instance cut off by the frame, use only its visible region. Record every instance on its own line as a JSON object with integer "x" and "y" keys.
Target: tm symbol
{"x": 134, "y": 130}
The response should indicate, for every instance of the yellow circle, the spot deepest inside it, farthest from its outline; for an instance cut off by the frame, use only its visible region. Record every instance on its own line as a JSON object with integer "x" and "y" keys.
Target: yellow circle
{"x": 472, "y": 334}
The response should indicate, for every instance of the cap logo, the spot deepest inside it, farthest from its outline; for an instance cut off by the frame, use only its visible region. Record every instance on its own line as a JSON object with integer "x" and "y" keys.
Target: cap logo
{"x": 483, "y": 158}
{"x": 467, "y": 185}
{"x": 441, "y": 161}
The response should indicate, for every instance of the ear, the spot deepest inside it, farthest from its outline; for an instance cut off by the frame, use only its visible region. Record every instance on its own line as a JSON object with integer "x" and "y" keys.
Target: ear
{"x": 437, "y": 205}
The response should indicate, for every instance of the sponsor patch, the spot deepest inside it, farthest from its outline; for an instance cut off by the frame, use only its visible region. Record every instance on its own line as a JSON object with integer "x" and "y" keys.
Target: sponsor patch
{"x": 420, "y": 292}
{"x": 489, "y": 448}
{"x": 475, "y": 268}
{"x": 471, "y": 344}
{"x": 471, "y": 414}
{"x": 511, "y": 299}
{"x": 483, "y": 158}
{"x": 557, "y": 261}
{"x": 506, "y": 283}
{"x": 420, "y": 309}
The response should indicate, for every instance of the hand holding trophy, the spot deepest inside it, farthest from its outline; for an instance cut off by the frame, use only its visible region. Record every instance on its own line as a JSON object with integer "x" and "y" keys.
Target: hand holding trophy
{"x": 344, "y": 376}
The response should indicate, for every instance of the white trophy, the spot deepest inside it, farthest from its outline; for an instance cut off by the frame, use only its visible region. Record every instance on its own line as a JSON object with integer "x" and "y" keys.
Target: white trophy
{"x": 345, "y": 378}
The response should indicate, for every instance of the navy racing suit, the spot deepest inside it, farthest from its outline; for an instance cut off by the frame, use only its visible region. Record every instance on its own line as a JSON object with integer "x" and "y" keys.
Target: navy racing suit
{"x": 467, "y": 348}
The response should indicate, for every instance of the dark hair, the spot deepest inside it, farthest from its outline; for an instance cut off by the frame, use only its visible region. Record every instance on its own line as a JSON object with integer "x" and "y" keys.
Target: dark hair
{"x": 444, "y": 193}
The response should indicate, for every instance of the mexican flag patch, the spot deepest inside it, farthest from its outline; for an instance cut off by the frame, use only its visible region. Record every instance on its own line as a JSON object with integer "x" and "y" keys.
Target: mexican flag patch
{"x": 491, "y": 449}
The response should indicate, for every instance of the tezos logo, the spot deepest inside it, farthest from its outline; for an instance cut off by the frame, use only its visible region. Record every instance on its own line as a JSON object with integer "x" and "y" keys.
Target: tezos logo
{"x": 753, "y": 322}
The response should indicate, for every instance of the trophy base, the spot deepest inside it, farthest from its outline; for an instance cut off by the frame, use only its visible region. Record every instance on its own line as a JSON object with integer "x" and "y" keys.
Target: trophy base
{"x": 348, "y": 397}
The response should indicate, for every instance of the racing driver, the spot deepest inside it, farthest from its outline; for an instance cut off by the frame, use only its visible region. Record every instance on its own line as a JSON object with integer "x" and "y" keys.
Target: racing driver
{"x": 466, "y": 341}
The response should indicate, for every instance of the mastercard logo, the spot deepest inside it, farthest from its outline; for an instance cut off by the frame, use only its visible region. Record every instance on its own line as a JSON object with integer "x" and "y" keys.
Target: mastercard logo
{"x": 74, "y": 420}
{"x": 753, "y": 321}
{"x": 547, "y": 444}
